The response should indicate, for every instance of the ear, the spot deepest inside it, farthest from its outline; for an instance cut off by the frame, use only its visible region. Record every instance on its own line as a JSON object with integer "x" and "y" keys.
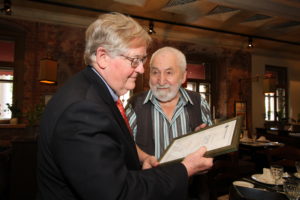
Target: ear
{"x": 102, "y": 58}
{"x": 184, "y": 77}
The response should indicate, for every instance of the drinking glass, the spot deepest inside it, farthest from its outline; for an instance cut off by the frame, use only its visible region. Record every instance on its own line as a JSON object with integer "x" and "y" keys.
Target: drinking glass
{"x": 291, "y": 189}
{"x": 277, "y": 172}
{"x": 254, "y": 137}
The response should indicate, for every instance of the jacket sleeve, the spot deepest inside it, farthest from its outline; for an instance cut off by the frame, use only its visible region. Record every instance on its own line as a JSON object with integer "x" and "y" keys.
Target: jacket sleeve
{"x": 97, "y": 161}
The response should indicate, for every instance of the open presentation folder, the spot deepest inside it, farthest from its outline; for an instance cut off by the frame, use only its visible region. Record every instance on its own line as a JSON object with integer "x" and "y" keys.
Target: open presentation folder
{"x": 218, "y": 139}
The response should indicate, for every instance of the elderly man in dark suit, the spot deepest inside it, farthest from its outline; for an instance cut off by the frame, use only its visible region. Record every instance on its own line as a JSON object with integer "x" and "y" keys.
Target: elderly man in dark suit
{"x": 85, "y": 149}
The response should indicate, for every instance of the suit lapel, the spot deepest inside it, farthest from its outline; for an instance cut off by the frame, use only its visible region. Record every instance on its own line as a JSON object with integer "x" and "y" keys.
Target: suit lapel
{"x": 107, "y": 98}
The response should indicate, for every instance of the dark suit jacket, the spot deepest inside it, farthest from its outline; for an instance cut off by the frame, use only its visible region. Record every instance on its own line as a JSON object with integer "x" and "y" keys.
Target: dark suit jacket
{"x": 85, "y": 150}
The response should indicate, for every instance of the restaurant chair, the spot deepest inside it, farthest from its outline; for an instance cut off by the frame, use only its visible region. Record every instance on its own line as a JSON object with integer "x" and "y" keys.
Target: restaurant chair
{"x": 4, "y": 173}
{"x": 244, "y": 193}
{"x": 223, "y": 172}
{"x": 285, "y": 156}
{"x": 23, "y": 169}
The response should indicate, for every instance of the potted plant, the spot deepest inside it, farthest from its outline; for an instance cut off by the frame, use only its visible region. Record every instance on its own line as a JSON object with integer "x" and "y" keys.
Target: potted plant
{"x": 15, "y": 113}
{"x": 33, "y": 117}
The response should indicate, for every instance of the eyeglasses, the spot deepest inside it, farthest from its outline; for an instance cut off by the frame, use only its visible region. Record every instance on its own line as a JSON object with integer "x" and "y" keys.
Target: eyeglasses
{"x": 135, "y": 62}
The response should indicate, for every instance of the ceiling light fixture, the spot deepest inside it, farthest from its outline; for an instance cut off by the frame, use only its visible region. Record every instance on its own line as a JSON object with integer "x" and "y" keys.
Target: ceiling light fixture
{"x": 151, "y": 28}
{"x": 250, "y": 43}
{"x": 7, "y": 7}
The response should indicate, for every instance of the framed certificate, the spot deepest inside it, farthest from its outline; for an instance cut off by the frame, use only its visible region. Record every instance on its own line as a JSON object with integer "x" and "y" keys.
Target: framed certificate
{"x": 218, "y": 139}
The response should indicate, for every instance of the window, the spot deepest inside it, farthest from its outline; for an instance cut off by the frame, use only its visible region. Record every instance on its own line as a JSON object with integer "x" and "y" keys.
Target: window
{"x": 12, "y": 53}
{"x": 201, "y": 87}
{"x": 276, "y": 100}
{"x": 6, "y": 77}
{"x": 198, "y": 80}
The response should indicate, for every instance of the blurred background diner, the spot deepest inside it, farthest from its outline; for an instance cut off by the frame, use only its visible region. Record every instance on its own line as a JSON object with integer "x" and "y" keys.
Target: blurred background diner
{"x": 242, "y": 57}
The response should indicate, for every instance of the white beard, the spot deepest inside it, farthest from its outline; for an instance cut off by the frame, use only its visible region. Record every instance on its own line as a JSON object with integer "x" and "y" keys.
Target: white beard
{"x": 165, "y": 95}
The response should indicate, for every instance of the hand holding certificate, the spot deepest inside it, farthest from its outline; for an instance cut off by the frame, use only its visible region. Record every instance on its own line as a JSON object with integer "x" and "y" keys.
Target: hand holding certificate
{"x": 218, "y": 139}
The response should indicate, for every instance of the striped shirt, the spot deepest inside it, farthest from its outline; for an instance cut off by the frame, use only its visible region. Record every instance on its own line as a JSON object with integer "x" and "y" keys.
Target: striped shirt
{"x": 164, "y": 129}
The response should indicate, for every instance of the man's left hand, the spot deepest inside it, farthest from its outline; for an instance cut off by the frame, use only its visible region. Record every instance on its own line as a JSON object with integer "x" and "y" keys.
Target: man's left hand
{"x": 200, "y": 126}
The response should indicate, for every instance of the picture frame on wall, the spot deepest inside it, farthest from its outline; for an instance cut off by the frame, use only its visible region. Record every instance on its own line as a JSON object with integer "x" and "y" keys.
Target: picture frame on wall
{"x": 240, "y": 109}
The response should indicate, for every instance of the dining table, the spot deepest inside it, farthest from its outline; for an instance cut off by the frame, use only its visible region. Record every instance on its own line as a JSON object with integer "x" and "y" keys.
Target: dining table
{"x": 260, "y": 143}
{"x": 259, "y": 187}
{"x": 257, "y": 151}
{"x": 244, "y": 193}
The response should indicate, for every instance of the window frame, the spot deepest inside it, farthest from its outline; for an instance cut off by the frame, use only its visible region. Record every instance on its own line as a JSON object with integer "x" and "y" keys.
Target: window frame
{"x": 202, "y": 82}
{"x": 13, "y": 32}
{"x": 10, "y": 67}
{"x": 281, "y": 83}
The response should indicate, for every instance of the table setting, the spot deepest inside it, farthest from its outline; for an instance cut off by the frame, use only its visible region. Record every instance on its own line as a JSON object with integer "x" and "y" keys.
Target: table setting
{"x": 297, "y": 173}
{"x": 274, "y": 181}
{"x": 262, "y": 141}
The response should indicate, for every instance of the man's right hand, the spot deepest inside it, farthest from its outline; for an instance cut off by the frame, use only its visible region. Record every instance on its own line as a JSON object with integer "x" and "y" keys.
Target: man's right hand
{"x": 195, "y": 162}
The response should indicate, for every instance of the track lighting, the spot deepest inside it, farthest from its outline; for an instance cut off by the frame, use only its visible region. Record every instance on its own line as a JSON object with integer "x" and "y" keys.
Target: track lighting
{"x": 7, "y": 7}
{"x": 151, "y": 28}
{"x": 250, "y": 43}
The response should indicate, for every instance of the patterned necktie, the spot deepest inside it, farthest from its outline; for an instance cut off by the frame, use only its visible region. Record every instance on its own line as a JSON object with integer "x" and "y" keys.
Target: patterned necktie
{"x": 123, "y": 113}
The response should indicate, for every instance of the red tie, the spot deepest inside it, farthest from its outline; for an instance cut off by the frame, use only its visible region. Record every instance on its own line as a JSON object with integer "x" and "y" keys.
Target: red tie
{"x": 123, "y": 113}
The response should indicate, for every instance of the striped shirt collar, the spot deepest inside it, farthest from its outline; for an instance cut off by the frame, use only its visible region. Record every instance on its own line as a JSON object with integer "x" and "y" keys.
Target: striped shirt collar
{"x": 184, "y": 97}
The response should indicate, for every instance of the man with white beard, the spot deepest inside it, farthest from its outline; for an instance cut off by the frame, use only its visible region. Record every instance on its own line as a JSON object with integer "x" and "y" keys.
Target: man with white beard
{"x": 167, "y": 110}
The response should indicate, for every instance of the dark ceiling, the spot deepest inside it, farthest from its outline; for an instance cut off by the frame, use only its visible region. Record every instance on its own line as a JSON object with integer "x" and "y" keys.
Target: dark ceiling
{"x": 272, "y": 24}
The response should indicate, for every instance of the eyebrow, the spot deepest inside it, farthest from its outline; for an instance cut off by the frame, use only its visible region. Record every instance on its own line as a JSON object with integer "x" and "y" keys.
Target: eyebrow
{"x": 139, "y": 56}
{"x": 155, "y": 68}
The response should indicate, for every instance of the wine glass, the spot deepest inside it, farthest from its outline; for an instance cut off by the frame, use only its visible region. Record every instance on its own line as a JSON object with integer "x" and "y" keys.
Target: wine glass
{"x": 291, "y": 189}
{"x": 277, "y": 172}
{"x": 297, "y": 165}
{"x": 254, "y": 137}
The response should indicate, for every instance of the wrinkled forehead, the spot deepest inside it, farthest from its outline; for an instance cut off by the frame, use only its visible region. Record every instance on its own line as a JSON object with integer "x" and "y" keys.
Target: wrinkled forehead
{"x": 165, "y": 61}
{"x": 138, "y": 42}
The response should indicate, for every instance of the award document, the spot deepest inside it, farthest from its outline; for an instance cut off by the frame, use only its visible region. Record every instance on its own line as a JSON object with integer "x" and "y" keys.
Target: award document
{"x": 218, "y": 139}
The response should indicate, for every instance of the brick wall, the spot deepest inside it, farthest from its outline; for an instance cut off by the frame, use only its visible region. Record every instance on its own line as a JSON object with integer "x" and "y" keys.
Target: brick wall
{"x": 66, "y": 45}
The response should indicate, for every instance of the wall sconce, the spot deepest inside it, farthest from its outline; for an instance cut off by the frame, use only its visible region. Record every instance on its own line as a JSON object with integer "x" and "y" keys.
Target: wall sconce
{"x": 48, "y": 71}
{"x": 250, "y": 43}
{"x": 151, "y": 28}
{"x": 7, "y": 7}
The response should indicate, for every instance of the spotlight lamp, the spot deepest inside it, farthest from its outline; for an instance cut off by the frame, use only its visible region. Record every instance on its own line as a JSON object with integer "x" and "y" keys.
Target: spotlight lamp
{"x": 7, "y": 7}
{"x": 151, "y": 28}
{"x": 250, "y": 43}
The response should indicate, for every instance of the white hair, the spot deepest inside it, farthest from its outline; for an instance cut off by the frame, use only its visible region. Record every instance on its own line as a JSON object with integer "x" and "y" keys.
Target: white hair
{"x": 181, "y": 60}
{"x": 114, "y": 32}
